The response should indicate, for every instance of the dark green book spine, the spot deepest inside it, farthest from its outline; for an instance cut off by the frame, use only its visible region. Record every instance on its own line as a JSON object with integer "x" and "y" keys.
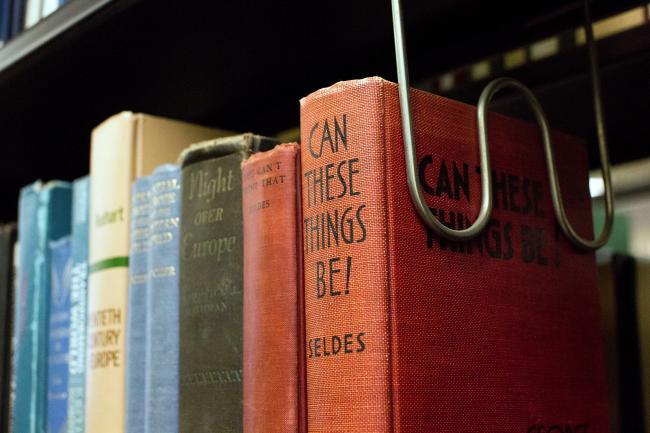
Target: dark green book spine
{"x": 211, "y": 284}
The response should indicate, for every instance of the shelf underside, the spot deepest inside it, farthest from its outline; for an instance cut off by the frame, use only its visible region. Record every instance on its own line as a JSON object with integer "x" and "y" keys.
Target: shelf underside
{"x": 244, "y": 66}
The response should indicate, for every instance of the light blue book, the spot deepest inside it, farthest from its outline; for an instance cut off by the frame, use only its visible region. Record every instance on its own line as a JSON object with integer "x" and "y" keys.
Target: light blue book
{"x": 161, "y": 390}
{"x": 43, "y": 215}
{"x": 78, "y": 306}
{"x": 137, "y": 300}
{"x": 59, "y": 343}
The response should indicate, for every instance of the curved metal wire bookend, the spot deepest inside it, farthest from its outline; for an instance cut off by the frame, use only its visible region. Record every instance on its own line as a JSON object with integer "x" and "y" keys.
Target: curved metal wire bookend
{"x": 486, "y": 182}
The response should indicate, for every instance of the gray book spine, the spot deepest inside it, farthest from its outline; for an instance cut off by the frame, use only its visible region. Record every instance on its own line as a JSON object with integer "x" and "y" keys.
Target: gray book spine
{"x": 211, "y": 281}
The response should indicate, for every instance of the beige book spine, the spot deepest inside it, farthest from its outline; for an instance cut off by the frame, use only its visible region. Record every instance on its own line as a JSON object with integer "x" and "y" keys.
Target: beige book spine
{"x": 112, "y": 171}
{"x": 124, "y": 147}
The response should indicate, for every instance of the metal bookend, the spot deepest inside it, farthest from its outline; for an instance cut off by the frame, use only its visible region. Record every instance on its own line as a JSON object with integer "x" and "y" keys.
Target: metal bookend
{"x": 486, "y": 182}
{"x": 410, "y": 154}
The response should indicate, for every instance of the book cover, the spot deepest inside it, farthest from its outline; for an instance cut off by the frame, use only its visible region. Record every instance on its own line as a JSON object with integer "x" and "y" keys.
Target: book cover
{"x": 408, "y": 332}
{"x": 59, "y": 330}
{"x": 136, "y": 334}
{"x": 211, "y": 274}
{"x": 43, "y": 216}
{"x": 78, "y": 305}
{"x": 273, "y": 314}
{"x": 7, "y": 241}
{"x": 161, "y": 390}
{"x": 123, "y": 148}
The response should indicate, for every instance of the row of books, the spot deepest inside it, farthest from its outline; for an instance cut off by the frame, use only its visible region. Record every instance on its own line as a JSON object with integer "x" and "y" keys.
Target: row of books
{"x": 19, "y": 15}
{"x": 201, "y": 281}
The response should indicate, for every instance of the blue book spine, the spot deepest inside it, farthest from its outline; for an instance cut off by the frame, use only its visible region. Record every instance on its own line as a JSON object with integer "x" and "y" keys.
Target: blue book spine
{"x": 59, "y": 343}
{"x": 161, "y": 390}
{"x": 5, "y": 21}
{"x": 17, "y": 17}
{"x": 44, "y": 215}
{"x": 78, "y": 305}
{"x": 136, "y": 312}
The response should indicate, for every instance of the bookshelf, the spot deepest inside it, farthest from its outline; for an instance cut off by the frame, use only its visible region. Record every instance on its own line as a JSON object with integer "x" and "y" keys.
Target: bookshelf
{"x": 243, "y": 65}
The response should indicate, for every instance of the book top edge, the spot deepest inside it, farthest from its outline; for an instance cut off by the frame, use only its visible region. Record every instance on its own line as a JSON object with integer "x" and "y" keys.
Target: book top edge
{"x": 165, "y": 168}
{"x": 342, "y": 86}
{"x": 422, "y": 95}
{"x": 283, "y": 147}
{"x": 245, "y": 144}
{"x": 39, "y": 186}
{"x": 82, "y": 179}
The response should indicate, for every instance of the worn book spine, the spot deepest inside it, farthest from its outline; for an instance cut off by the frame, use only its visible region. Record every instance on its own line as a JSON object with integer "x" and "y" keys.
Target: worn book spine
{"x": 272, "y": 292}
{"x": 59, "y": 330}
{"x": 44, "y": 215}
{"x": 408, "y": 332}
{"x": 78, "y": 306}
{"x": 7, "y": 241}
{"x": 211, "y": 281}
{"x": 161, "y": 385}
{"x": 136, "y": 334}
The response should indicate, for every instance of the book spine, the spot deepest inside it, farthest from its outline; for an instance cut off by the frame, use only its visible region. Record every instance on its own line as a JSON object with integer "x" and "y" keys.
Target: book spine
{"x": 59, "y": 330}
{"x": 17, "y": 17}
{"x": 24, "y": 408}
{"x": 78, "y": 306}
{"x": 32, "y": 12}
{"x": 48, "y": 7}
{"x": 136, "y": 336}
{"x": 5, "y": 20}
{"x": 211, "y": 296}
{"x": 272, "y": 335}
{"x": 161, "y": 385}
{"x": 55, "y": 217}
{"x": 12, "y": 381}
{"x": 48, "y": 219}
{"x": 111, "y": 175}
{"x": 7, "y": 241}
{"x": 345, "y": 263}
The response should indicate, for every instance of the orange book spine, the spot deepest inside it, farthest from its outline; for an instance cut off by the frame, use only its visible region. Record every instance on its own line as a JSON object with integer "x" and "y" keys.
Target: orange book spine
{"x": 410, "y": 333}
{"x": 273, "y": 364}
{"x": 346, "y": 271}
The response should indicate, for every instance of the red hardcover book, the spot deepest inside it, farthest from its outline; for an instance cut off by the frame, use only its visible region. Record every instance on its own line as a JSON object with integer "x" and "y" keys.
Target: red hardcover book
{"x": 273, "y": 313}
{"x": 410, "y": 333}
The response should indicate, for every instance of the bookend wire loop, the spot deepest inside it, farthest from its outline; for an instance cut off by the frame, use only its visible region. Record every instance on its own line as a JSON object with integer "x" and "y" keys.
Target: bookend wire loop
{"x": 486, "y": 182}
{"x": 410, "y": 151}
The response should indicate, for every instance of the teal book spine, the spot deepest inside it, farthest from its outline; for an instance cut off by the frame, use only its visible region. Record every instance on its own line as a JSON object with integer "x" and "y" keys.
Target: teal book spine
{"x": 136, "y": 336}
{"x": 59, "y": 332}
{"x": 161, "y": 385}
{"x": 78, "y": 306}
{"x": 43, "y": 215}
